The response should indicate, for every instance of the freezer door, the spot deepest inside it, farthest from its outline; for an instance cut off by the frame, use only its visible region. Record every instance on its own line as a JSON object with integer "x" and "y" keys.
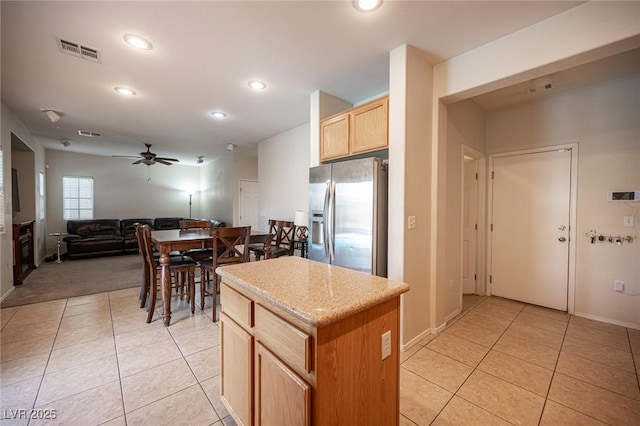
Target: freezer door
{"x": 353, "y": 223}
{"x": 319, "y": 181}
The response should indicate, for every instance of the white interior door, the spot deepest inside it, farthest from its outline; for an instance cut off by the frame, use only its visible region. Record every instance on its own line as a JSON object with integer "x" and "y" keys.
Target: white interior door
{"x": 248, "y": 203}
{"x": 530, "y": 238}
{"x": 469, "y": 225}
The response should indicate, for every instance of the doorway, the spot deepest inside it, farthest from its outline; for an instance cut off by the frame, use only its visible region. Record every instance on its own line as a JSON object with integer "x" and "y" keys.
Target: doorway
{"x": 248, "y": 203}
{"x": 472, "y": 222}
{"x": 532, "y": 226}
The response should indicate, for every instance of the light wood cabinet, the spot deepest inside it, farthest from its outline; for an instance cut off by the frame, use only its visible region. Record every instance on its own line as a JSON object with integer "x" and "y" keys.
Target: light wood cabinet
{"x": 236, "y": 389}
{"x": 301, "y": 374}
{"x": 282, "y": 397}
{"x": 356, "y": 131}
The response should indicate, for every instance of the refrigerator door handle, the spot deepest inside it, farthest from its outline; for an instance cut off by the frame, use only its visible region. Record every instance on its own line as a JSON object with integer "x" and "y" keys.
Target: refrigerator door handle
{"x": 332, "y": 241}
{"x": 325, "y": 213}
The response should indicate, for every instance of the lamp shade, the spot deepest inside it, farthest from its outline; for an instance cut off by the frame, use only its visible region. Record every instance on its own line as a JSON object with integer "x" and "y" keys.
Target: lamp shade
{"x": 301, "y": 218}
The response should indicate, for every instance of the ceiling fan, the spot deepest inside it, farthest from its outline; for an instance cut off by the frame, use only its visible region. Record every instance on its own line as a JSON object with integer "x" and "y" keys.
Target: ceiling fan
{"x": 149, "y": 158}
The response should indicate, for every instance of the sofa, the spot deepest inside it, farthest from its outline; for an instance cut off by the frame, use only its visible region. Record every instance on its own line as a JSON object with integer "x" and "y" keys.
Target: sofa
{"x": 106, "y": 237}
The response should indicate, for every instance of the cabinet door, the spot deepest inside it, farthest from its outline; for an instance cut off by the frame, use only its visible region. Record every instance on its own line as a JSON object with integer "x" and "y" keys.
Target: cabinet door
{"x": 334, "y": 137}
{"x": 369, "y": 127}
{"x": 237, "y": 371}
{"x": 282, "y": 397}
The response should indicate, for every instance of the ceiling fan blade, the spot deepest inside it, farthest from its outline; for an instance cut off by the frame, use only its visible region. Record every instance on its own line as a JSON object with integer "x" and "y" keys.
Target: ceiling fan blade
{"x": 163, "y": 161}
{"x": 125, "y": 156}
{"x": 168, "y": 159}
{"x": 137, "y": 162}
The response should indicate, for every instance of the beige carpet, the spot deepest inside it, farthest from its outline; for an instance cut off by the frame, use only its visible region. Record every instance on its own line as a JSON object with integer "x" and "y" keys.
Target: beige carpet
{"x": 51, "y": 281}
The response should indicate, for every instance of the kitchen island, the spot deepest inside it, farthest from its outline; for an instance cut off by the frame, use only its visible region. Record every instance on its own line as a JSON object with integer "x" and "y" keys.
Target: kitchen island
{"x": 308, "y": 343}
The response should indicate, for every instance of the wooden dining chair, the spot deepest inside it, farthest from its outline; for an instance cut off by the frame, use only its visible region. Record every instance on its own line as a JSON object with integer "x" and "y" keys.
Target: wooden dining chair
{"x": 181, "y": 267}
{"x": 196, "y": 224}
{"x": 284, "y": 245}
{"x": 258, "y": 249}
{"x": 230, "y": 245}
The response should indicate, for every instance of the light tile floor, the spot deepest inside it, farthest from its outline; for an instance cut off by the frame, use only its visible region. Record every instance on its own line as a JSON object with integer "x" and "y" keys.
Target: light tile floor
{"x": 95, "y": 361}
{"x": 506, "y": 362}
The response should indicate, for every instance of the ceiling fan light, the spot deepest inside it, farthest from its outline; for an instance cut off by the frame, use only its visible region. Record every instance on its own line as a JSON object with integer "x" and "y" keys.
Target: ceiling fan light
{"x": 138, "y": 42}
{"x": 125, "y": 91}
{"x": 230, "y": 147}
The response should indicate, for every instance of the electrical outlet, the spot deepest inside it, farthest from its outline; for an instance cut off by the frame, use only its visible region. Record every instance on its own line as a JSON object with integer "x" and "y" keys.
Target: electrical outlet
{"x": 618, "y": 286}
{"x": 386, "y": 344}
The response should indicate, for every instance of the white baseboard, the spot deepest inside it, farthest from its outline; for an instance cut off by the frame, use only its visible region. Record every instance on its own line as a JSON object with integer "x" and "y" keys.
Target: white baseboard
{"x": 452, "y": 315}
{"x": 415, "y": 340}
{"x": 4, "y": 296}
{"x": 608, "y": 320}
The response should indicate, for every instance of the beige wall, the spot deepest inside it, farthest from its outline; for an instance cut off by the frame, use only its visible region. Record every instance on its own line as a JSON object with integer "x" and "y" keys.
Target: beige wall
{"x": 9, "y": 123}
{"x": 410, "y": 165}
{"x": 466, "y": 125}
{"x": 283, "y": 175}
{"x": 603, "y": 120}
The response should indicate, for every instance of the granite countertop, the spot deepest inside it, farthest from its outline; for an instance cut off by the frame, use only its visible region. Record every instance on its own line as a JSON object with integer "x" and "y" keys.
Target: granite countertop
{"x": 316, "y": 293}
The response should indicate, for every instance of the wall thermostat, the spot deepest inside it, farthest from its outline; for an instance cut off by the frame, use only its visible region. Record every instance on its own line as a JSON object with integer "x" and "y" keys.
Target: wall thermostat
{"x": 623, "y": 196}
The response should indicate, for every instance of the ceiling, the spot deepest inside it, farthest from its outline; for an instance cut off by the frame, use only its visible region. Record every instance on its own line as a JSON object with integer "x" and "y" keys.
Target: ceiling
{"x": 205, "y": 53}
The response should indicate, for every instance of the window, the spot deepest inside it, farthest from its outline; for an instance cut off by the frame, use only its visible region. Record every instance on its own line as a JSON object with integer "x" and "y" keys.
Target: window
{"x": 1, "y": 194}
{"x": 77, "y": 197}
{"x": 41, "y": 195}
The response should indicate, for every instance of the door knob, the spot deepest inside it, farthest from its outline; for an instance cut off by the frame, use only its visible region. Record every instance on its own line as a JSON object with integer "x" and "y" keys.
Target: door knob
{"x": 562, "y": 239}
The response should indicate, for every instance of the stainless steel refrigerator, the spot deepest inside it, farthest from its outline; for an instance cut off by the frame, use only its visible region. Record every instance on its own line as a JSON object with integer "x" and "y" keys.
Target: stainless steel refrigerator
{"x": 348, "y": 215}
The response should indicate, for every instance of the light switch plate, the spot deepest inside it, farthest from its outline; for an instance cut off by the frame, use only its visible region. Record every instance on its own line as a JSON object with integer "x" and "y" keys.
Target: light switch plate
{"x": 412, "y": 222}
{"x": 628, "y": 221}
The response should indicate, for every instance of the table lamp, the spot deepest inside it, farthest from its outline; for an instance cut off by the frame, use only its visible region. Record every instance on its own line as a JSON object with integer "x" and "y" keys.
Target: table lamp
{"x": 301, "y": 220}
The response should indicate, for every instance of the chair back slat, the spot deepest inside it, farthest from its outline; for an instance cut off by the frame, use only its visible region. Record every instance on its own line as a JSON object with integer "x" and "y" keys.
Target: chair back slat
{"x": 286, "y": 232}
{"x": 230, "y": 245}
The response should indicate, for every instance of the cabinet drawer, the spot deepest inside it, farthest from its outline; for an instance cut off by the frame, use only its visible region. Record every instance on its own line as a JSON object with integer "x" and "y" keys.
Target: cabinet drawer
{"x": 236, "y": 306}
{"x": 293, "y": 346}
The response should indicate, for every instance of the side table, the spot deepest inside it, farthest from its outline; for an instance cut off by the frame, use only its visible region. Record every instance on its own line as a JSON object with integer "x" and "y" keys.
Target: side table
{"x": 58, "y": 236}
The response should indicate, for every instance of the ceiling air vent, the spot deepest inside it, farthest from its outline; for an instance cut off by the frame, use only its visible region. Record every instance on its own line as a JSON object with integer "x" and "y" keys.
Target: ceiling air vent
{"x": 89, "y": 134}
{"x": 78, "y": 50}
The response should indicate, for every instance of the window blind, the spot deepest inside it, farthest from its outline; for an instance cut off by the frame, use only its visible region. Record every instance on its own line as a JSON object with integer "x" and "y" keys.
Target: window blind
{"x": 77, "y": 194}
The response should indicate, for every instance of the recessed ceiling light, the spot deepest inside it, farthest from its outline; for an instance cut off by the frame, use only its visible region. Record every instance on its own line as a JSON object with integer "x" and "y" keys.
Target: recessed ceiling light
{"x": 219, "y": 115}
{"x": 138, "y": 42}
{"x": 257, "y": 85}
{"x": 125, "y": 91}
{"x": 366, "y": 5}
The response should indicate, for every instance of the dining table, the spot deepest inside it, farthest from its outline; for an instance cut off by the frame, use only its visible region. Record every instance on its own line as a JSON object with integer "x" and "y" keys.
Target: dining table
{"x": 168, "y": 240}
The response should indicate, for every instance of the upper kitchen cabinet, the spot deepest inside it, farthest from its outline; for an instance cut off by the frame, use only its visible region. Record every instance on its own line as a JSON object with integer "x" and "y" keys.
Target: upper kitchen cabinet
{"x": 356, "y": 131}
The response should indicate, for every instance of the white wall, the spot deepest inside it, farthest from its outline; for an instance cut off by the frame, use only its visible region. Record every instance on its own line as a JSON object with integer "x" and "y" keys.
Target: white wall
{"x": 283, "y": 175}
{"x": 216, "y": 186}
{"x": 603, "y": 120}
{"x": 244, "y": 167}
{"x": 121, "y": 190}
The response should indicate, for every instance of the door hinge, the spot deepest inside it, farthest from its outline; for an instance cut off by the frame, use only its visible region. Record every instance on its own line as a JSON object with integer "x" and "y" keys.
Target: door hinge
{"x": 476, "y": 227}
{"x": 490, "y": 278}
{"x": 476, "y": 176}
{"x": 493, "y": 175}
{"x": 492, "y": 227}
{"x": 475, "y": 277}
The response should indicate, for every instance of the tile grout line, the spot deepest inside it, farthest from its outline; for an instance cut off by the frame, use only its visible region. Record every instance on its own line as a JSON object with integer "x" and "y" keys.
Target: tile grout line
{"x": 124, "y": 410}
